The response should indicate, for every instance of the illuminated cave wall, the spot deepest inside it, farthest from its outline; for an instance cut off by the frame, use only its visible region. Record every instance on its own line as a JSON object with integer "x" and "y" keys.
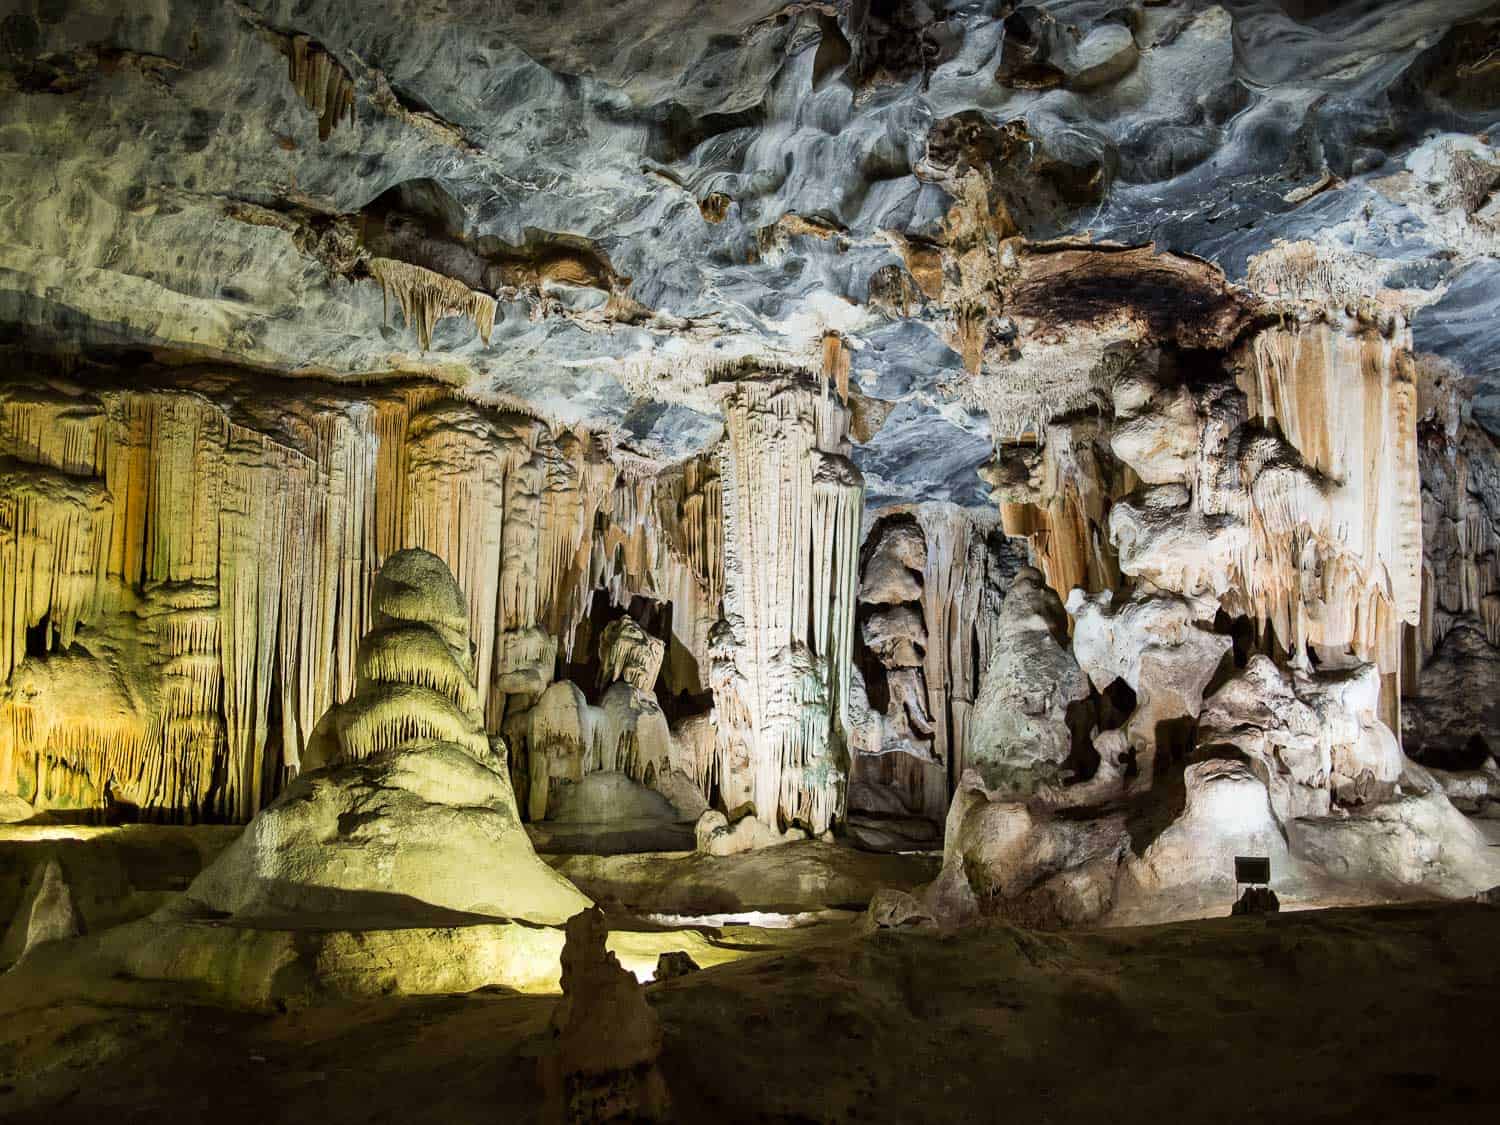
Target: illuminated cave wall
{"x": 185, "y": 571}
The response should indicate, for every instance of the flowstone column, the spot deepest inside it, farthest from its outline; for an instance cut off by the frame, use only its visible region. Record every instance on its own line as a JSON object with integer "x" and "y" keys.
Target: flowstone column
{"x": 782, "y": 657}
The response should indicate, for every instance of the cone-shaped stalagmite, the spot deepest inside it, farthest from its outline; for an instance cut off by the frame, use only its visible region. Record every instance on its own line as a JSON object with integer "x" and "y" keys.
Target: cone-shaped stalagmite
{"x": 409, "y": 803}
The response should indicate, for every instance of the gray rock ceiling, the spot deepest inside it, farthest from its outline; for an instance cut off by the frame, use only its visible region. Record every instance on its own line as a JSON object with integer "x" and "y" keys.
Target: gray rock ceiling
{"x": 717, "y": 180}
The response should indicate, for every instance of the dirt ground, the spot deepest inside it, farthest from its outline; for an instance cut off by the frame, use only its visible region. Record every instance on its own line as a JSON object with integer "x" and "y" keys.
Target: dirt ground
{"x": 1367, "y": 1015}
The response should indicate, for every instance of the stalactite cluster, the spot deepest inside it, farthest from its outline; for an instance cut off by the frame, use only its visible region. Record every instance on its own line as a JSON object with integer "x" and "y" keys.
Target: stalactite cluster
{"x": 1291, "y": 496}
{"x": 665, "y": 542}
{"x": 1335, "y": 552}
{"x": 425, "y": 297}
{"x": 319, "y": 79}
{"x": 214, "y": 561}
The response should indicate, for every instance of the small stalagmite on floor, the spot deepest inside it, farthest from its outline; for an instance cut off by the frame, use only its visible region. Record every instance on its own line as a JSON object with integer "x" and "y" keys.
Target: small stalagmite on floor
{"x": 606, "y": 1038}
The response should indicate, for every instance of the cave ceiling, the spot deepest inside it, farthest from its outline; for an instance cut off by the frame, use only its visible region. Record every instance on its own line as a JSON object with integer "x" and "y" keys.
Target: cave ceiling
{"x": 656, "y": 191}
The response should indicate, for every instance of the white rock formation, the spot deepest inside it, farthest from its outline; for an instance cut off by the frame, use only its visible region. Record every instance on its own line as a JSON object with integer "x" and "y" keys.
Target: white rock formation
{"x": 792, "y": 504}
{"x": 715, "y": 835}
{"x": 1157, "y": 645}
{"x": 1314, "y": 737}
{"x": 1227, "y": 814}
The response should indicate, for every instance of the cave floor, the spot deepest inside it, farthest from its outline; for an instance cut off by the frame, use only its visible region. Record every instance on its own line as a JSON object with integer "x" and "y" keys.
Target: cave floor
{"x": 1358, "y": 1015}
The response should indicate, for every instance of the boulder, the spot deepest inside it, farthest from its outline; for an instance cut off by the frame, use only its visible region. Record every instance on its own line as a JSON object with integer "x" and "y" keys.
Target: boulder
{"x": 674, "y": 964}
{"x": 1453, "y": 719}
{"x": 1417, "y": 839}
{"x": 1022, "y": 862}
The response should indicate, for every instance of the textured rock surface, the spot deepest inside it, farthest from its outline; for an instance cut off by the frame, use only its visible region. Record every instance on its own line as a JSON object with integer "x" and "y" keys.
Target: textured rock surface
{"x": 607, "y": 1038}
{"x": 46, "y": 913}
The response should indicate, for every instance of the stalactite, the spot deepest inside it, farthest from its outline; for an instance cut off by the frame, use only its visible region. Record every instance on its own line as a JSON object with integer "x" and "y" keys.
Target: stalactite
{"x": 664, "y": 540}
{"x": 1334, "y": 557}
{"x": 425, "y": 297}
{"x": 836, "y": 358}
{"x": 1460, "y": 475}
{"x": 319, "y": 79}
{"x": 1062, "y": 508}
{"x": 52, "y": 530}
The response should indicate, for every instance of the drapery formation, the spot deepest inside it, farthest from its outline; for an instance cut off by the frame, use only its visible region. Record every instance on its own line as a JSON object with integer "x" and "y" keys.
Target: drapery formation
{"x": 204, "y": 570}
{"x": 782, "y": 657}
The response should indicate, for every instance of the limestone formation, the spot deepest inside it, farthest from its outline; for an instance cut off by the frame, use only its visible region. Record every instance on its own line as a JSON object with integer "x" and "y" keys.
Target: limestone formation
{"x": 1019, "y": 735}
{"x": 1158, "y": 646}
{"x": 745, "y": 355}
{"x": 781, "y": 666}
{"x": 208, "y": 567}
{"x": 1228, "y": 813}
{"x": 715, "y": 835}
{"x": 943, "y": 570}
{"x": 426, "y": 296}
{"x": 562, "y": 738}
{"x": 1009, "y": 859}
{"x": 1313, "y": 738}
{"x": 46, "y": 913}
{"x": 627, "y": 653}
{"x": 409, "y": 804}
{"x": 606, "y": 1038}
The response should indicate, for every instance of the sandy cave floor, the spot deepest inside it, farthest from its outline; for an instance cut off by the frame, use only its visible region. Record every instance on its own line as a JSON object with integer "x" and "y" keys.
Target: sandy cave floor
{"x": 1371, "y": 1014}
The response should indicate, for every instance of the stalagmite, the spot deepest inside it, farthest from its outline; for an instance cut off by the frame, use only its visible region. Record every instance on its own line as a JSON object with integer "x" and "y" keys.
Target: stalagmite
{"x": 406, "y": 800}
{"x": 606, "y": 1038}
{"x": 46, "y": 913}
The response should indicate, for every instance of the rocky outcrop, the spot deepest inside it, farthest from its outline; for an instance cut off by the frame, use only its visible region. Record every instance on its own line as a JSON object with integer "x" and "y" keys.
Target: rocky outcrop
{"x": 1313, "y": 738}
{"x": 1021, "y": 862}
{"x": 1159, "y": 647}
